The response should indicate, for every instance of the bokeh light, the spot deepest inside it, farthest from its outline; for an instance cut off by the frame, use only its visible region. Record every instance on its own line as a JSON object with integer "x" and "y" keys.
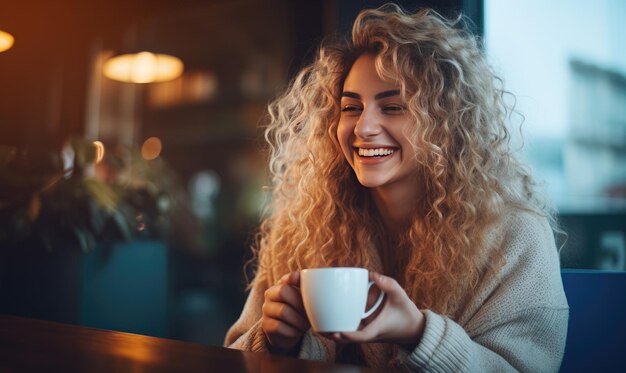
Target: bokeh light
{"x": 143, "y": 67}
{"x": 99, "y": 151}
{"x": 6, "y": 41}
{"x": 151, "y": 148}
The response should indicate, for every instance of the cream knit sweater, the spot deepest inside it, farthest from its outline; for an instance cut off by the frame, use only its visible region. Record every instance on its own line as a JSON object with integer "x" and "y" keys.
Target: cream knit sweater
{"x": 518, "y": 321}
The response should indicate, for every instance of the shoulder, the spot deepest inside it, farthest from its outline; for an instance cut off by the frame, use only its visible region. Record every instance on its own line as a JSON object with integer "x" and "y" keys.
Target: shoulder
{"x": 528, "y": 277}
{"x": 527, "y": 241}
{"x": 531, "y": 266}
{"x": 526, "y": 224}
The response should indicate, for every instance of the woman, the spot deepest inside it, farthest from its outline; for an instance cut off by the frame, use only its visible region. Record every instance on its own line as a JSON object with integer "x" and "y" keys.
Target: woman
{"x": 390, "y": 152}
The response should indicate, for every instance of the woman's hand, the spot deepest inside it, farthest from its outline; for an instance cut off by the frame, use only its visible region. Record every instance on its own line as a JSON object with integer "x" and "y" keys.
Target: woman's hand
{"x": 284, "y": 320}
{"x": 399, "y": 321}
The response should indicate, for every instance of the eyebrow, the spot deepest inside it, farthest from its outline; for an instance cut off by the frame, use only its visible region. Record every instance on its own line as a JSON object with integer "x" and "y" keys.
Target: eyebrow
{"x": 378, "y": 96}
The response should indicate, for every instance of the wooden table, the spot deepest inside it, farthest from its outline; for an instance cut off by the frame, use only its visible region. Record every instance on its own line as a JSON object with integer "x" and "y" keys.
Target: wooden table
{"x": 29, "y": 345}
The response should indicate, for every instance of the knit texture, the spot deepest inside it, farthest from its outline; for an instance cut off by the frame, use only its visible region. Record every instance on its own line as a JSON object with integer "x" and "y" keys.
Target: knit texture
{"x": 517, "y": 321}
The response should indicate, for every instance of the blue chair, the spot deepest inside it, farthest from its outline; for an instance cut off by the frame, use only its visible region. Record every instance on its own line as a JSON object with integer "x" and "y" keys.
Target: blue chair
{"x": 596, "y": 336}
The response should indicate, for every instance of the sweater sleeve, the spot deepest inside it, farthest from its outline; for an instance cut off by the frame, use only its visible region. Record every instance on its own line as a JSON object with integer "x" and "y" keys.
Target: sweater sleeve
{"x": 530, "y": 341}
{"x": 246, "y": 333}
{"x": 520, "y": 323}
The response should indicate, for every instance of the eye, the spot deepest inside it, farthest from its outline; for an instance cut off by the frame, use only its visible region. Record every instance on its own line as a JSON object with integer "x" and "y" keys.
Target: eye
{"x": 394, "y": 109}
{"x": 350, "y": 109}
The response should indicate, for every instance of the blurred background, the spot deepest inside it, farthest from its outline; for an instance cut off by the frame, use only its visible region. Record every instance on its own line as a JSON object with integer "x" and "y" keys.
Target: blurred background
{"x": 132, "y": 162}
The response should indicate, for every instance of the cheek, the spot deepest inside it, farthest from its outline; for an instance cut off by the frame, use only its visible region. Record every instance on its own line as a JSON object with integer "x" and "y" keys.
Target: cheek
{"x": 344, "y": 133}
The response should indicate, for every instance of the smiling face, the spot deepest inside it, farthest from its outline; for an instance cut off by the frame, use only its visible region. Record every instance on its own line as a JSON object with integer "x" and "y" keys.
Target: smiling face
{"x": 371, "y": 130}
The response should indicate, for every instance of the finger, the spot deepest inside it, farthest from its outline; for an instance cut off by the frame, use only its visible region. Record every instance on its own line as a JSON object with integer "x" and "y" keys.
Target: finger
{"x": 365, "y": 335}
{"x": 387, "y": 284}
{"x": 285, "y": 313}
{"x": 273, "y": 327}
{"x": 335, "y": 336}
{"x": 284, "y": 294}
{"x": 292, "y": 278}
{"x": 284, "y": 278}
{"x": 292, "y": 296}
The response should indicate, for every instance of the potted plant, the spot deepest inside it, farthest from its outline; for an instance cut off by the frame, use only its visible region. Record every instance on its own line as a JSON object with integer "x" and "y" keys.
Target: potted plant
{"x": 57, "y": 205}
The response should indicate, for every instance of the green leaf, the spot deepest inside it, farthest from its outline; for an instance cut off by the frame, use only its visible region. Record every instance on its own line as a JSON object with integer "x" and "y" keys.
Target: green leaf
{"x": 122, "y": 224}
{"x": 103, "y": 194}
{"x": 85, "y": 239}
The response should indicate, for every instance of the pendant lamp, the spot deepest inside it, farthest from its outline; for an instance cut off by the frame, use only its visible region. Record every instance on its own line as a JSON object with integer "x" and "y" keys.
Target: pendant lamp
{"x": 145, "y": 59}
{"x": 143, "y": 67}
{"x": 6, "y": 41}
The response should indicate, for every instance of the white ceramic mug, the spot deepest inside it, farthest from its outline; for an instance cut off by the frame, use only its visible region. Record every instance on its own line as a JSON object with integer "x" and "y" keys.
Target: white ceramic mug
{"x": 335, "y": 298}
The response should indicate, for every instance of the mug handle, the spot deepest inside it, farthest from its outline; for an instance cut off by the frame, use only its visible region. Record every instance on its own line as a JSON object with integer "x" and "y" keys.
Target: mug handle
{"x": 378, "y": 301}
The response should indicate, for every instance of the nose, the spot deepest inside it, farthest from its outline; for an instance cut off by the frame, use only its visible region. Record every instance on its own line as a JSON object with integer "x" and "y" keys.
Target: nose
{"x": 367, "y": 125}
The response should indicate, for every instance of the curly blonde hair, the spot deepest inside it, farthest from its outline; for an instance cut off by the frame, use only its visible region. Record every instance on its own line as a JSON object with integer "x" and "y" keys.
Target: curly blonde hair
{"x": 320, "y": 215}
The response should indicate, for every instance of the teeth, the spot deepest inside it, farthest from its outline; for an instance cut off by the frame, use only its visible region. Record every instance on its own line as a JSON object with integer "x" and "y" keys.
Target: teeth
{"x": 375, "y": 152}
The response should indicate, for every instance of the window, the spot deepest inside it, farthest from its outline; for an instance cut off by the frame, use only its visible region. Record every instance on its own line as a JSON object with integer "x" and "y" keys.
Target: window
{"x": 565, "y": 62}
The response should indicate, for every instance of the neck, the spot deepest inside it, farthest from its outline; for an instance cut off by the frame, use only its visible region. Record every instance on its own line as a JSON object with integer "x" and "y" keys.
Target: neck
{"x": 396, "y": 205}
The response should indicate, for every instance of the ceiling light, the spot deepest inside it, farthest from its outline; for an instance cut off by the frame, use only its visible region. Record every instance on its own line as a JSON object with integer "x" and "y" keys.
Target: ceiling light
{"x": 143, "y": 67}
{"x": 6, "y": 41}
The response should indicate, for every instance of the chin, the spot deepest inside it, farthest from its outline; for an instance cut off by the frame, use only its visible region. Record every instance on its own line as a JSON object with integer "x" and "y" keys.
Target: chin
{"x": 371, "y": 182}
